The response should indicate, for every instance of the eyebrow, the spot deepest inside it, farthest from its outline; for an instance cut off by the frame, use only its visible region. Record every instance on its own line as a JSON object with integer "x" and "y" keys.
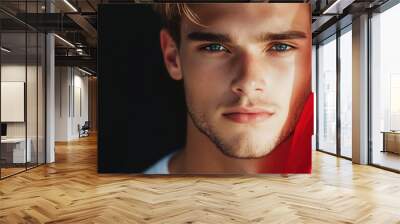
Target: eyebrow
{"x": 288, "y": 35}
{"x": 268, "y": 36}
{"x": 206, "y": 36}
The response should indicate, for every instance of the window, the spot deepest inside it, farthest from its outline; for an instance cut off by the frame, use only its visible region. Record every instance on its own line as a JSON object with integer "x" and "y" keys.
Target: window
{"x": 346, "y": 93}
{"x": 327, "y": 95}
{"x": 385, "y": 88}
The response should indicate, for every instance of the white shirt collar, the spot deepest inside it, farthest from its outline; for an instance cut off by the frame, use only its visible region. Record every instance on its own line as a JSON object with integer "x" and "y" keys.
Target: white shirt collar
{"x": 161, "y": 166}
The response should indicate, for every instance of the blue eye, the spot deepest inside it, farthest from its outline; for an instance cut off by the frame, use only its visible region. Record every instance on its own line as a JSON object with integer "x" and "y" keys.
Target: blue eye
{"x": 215, "y": 48}
{"x": 281, "y": 47}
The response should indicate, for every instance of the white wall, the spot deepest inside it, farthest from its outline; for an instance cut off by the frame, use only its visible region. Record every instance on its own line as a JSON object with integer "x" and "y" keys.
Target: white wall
{"x": 62, "y": 80}
{"x": 12, "y": 101}
{"x": 33, "y": 127}
{"x": 9, "y": 73}
{"x": 70, "y": 88}
{"x": 80, "y": 89}
{"x": 16, "y": 73}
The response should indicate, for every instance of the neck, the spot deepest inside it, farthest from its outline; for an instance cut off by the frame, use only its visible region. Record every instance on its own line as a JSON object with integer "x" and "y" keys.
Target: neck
{"x": 200, "y": 155}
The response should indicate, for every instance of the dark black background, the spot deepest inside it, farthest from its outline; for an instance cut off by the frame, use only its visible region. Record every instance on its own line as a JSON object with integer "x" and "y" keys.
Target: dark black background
{"x": 141, "y": 109}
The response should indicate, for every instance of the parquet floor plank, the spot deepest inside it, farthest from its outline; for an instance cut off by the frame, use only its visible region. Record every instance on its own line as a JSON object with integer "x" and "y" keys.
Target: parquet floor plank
{"x": 71, "y": 191}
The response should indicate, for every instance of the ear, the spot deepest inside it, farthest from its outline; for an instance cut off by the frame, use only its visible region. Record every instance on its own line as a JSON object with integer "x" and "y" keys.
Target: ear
{"x": 170, "y": 53}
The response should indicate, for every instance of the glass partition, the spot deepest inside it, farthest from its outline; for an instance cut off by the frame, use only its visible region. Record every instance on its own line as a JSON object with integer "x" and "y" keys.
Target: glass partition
{"x": 41, "y": 91}
{"x": 32, "y": 103}
{"x": 14, "y": 153}
{"x": 31, "y": 100}
{"x": 22, "y": 88}
{"x": 327, "y": 95}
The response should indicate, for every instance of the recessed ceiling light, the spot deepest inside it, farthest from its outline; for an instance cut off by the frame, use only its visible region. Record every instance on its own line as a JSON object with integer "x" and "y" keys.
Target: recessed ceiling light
{"x": 337, "y": 7}
{"x": 84, "y": 71}
{"x": 64, "y": 40}
{"x": 5, "y": 50}
{"x": 70, "y": 5}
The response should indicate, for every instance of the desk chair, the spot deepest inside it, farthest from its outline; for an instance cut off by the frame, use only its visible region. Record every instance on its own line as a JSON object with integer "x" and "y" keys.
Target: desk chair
{"x": 84, "y": 130}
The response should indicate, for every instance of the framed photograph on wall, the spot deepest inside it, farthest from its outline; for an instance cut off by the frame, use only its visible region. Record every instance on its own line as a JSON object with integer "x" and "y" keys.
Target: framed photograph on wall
{"x": 210, "y": 88}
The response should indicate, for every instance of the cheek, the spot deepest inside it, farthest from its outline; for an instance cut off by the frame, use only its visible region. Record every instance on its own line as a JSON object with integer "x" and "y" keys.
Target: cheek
{"x": 205, "y": 81}
{"x": 302, "y": 81}
{"x": 295, "y": 83}
{"x": 281, "y": 81}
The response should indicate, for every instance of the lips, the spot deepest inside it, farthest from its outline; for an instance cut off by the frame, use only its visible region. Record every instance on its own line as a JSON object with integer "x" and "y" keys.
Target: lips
{"x": 247, "y": 115}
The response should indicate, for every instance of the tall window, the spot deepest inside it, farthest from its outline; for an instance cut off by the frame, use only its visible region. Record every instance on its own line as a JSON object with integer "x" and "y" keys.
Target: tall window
{"x": 385, "y": 84}
{"x": 327, "y": 95}
{"x": 394, "y": 101}
{"x": 346, "y": 92}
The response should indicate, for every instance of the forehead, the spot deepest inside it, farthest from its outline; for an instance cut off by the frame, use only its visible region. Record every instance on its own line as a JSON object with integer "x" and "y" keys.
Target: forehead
{"x": 268, "y": 17}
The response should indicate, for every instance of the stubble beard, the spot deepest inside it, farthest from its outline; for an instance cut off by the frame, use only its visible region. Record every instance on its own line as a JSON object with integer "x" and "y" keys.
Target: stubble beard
{"x": 239, "y": 147}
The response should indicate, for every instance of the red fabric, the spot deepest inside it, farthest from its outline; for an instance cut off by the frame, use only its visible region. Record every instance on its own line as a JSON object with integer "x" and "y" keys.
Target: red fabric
{"x": 294, "y": 154}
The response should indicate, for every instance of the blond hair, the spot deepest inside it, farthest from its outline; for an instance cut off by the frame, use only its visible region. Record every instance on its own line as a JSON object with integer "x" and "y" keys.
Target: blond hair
{"x": 171, "y": 15}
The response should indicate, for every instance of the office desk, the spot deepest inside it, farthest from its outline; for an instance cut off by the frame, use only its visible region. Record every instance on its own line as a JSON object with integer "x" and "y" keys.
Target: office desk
{"x": 391, "y": 141}
{"x": 13, "y": 150}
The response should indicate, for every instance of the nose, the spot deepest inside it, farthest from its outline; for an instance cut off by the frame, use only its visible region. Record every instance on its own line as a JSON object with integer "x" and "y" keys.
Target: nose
{"x": 250, "y": 76}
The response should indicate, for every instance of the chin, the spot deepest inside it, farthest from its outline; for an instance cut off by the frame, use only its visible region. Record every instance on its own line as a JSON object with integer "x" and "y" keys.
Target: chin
{"x": 244, "y": 148}
{"x": 246, "y": 153}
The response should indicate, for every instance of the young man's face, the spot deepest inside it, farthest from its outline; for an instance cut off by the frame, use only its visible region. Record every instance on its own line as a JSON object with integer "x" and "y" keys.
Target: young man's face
{"x": 246, "y": 72}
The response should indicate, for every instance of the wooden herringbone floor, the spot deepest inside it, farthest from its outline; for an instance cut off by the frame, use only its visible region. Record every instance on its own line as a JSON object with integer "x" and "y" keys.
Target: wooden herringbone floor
{"x": 71, "y": 191}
